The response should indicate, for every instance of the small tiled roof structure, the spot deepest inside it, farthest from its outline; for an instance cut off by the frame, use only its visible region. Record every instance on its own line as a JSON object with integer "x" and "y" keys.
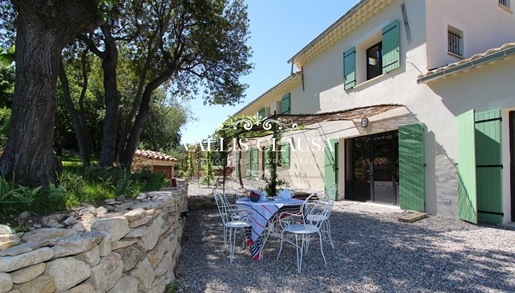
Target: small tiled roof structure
{"x": 491, "y": 55}
{"x": 153, "y": 161}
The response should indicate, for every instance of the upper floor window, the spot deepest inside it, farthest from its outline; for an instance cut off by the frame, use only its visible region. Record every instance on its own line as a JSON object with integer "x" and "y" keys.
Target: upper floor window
{"x": 373, "y": 57}
{"x": 374, "y": 61}
{"x": 286, "y": 104}
{"x": 455, "y": 41}
{"x": 505, "y": 3}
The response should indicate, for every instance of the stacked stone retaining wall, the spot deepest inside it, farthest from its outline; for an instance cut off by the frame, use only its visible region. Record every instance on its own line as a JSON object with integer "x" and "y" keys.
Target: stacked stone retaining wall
{"x": 126, "y": 245}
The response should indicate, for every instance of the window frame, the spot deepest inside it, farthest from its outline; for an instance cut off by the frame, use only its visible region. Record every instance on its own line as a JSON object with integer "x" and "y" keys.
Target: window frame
{"x": 457, "y": 50}
{"x": 355, "y": 59}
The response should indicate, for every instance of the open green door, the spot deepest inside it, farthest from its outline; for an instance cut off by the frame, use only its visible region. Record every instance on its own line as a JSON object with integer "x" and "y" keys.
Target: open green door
{"x": 331, "y": 163}
{"x": 412, "y": 175}
{"x": 467, "y": 192}
{"x": 489, "y": 166}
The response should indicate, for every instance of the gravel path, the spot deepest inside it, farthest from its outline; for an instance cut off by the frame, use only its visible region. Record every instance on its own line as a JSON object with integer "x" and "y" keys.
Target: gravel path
{"x": 374, "y": 252}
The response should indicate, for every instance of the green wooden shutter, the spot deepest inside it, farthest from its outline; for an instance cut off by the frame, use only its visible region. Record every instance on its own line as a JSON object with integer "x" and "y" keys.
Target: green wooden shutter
{"x": 262, "y": 113}
{"x": 285, "y": 154}
{"x": 412, "y": 175}
{"x": 286, "y": 104}
{"x": 467, "y": 194}
{"x": 391, "y": 47}
{"x": 255, "y": 164}
{"x": 489, "y": 166}
{"x": 331, "y": 163}
{"x": 247, "y": 164}
{"x": 349, "y": 68}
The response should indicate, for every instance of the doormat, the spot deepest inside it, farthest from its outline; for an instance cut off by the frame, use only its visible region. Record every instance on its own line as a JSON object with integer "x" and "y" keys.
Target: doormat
{"x": 412, "y": 216}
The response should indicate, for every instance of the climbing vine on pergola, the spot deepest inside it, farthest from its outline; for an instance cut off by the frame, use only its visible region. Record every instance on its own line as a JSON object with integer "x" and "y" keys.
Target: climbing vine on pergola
{"x": 230, "y": 133}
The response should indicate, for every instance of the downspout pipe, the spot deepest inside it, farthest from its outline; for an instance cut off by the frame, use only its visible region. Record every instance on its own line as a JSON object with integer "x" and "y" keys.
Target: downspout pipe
{"x": 467, "y": 65}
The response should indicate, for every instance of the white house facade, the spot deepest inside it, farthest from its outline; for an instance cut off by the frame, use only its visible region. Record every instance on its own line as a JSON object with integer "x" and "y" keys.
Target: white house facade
{"x": 409, "y": 103}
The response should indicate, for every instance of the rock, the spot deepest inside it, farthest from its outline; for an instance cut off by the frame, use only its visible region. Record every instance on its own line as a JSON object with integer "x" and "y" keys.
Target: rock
{"x": 155, "y": 255}
{"x": 131, "y": 256}
{"x": 126, "y": 284}
{"x": 85, "y": 287}
{"x": 91, "y": 257}
{"x": 8, "y": 240}
{"x": 135, "y": 215}
{"x": 69, "y": 221}
{"x": 6, "y": 283}
{"x": 24, "y": 215}
{"x": 158, "y": 286}
{"x": 107, "y": 273}
{"x": 123, "y": 207}
{"x": 24, "y": 247}
{"x": 45, "y": 234}
{"x": 55, "y": 217}
{"x": 12, "y": 263}
{"x": 60, "y": 271}
{"x": 4, "y": 229}
{"x": 123, "y": 243}
{"x": 28, "y": 274}
{"x": 104, "y": 247}
{"x": 138, "y": 232}
{"x": 141, "y": 222}
{"x": 163, "y": 265}
{"x": 79, "y": 227}
{"x": 87, "y": 221}
{"x": 54, "y": 224}
{"x": 77, "y": 243}
{"x": 153, "y": 232}
{"x": 145, "y": 275}
{"x": 101, "y": 212}
{"x": 117, "y": 227}
{"x": 42, "y": 284}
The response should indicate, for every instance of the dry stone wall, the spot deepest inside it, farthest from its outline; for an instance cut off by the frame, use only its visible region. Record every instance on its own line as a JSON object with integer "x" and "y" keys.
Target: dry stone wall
{"x": 127, "y": 245}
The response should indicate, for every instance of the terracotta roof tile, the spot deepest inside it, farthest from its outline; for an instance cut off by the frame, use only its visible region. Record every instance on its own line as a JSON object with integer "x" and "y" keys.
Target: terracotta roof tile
{"x": 467, "y": 60}
{"x": 154, "y": 155}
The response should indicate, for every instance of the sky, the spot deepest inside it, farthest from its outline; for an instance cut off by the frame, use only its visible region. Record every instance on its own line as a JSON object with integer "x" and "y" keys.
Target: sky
{"x": 278, "y": 30}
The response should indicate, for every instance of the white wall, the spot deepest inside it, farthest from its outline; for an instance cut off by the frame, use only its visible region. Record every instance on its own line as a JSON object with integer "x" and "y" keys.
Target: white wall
{"x": 485, "y": 25}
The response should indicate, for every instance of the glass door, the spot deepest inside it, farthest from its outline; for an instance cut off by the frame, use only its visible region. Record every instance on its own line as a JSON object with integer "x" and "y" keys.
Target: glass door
{"x": 372, "y": 168}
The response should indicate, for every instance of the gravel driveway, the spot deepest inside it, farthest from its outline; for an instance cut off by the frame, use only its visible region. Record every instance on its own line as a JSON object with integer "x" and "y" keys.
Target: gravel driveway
{"x": 374, "y": 252}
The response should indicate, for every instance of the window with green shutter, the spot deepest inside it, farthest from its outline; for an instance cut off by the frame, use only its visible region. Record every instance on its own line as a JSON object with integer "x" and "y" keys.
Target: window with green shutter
{"x": 286, "y": 104}
{"x": 349, "y": 68}
{"x": 262, "y": 113}
{"x": 380, "y": 58}
{"x": 391, "y": 47}
{"x": 284, "y": 155}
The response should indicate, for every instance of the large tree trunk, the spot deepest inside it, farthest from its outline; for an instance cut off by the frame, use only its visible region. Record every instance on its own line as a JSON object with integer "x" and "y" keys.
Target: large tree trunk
{"x": 109, "y": 62}
{"x": 44, "y": 27}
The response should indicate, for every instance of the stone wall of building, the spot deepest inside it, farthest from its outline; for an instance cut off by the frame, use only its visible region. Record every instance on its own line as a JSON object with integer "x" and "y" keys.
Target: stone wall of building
{"x": 126, "y": 245}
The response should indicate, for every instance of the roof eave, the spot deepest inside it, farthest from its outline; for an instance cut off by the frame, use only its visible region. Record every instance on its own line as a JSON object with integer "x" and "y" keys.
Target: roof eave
{"x": 471, "y": 64}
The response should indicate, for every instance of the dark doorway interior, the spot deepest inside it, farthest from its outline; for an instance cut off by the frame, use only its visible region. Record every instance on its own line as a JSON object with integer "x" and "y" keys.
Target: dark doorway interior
{"x": 372, "y": 168}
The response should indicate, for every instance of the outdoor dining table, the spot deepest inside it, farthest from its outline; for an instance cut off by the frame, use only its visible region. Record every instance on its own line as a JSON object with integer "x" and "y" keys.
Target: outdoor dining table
{"x": 262, "y": 212}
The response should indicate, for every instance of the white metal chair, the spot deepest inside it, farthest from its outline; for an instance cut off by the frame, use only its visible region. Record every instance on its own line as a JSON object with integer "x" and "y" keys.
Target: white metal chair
{"x": 303, "y": 228}
{"x": 232, "y": 220}
{"x": 332, "y": 191}
{"x": 231, "y": 195}
{"x": 325, "y": 228}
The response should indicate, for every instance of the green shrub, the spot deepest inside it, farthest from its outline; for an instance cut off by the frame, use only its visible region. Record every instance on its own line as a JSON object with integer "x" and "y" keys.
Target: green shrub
{"x": 77, "y": 185}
